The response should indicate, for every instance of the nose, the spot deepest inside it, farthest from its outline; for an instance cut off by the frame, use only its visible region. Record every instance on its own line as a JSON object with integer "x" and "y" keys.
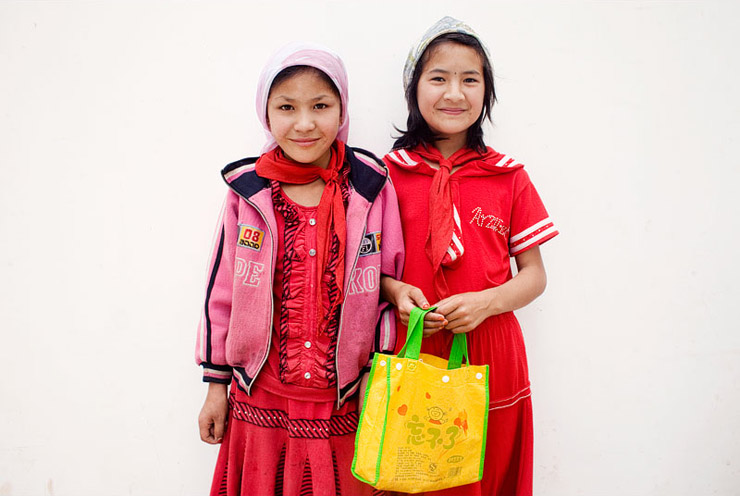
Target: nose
{"x": 453, "y": 91}
{"x": 304, "y": 122}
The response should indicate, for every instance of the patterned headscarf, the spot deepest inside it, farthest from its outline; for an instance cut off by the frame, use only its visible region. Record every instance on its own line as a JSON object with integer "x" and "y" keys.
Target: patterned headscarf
{"x": 311, "y": 55}
{"x": 445, "y": 25}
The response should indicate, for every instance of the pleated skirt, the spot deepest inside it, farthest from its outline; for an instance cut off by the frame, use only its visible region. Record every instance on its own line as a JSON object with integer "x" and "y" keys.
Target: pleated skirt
{"x": 278, "y": 446}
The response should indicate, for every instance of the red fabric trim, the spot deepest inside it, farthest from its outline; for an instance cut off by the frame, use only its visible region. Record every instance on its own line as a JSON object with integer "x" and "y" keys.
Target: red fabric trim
{"x": 336, "y": 425}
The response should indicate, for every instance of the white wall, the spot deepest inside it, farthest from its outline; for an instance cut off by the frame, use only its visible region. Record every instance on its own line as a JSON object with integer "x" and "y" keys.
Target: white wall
{"x": 116, "y": 117}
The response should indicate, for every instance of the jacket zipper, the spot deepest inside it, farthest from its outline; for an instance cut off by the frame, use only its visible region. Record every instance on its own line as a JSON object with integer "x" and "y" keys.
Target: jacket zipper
{"x": 341, "y": 312}
{"x": 341, "y": 320}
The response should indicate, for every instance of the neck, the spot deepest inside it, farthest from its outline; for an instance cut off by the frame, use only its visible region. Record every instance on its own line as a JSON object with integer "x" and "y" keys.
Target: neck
{"x": 449, "y": 145}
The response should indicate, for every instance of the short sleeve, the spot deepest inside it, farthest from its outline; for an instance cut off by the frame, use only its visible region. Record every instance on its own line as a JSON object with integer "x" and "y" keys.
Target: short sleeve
{"x": 530, "y": 223}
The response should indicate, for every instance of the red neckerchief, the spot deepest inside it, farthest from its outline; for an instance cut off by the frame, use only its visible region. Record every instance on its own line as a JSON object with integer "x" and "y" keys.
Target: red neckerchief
{"x": 330, "y": 214}
{"x": 441, "y": 223}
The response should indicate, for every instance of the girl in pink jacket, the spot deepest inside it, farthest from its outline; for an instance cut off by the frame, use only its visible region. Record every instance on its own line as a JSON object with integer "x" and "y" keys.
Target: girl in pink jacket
{"x": 292, "y": 314}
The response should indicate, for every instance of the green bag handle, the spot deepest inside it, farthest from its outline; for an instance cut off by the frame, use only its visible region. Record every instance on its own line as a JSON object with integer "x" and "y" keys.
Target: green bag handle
{"x": 415, "y": 333}
{"x": 458, "y": 351}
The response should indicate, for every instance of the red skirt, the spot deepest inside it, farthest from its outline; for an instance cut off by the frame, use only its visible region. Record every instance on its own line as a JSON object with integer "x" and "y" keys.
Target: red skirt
{"x": 509, "y": 456}
{"x": 283, "y": 446}
{"x": 508, "y": 466}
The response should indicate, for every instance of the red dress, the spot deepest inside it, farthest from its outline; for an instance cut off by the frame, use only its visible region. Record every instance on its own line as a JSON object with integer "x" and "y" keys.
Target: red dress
{"x": 500, "y": 215}
{"x": 288, "y": 438}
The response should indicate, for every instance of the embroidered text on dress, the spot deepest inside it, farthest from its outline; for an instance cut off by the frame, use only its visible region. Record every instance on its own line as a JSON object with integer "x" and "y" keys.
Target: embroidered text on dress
{"x": 489, "y": 221}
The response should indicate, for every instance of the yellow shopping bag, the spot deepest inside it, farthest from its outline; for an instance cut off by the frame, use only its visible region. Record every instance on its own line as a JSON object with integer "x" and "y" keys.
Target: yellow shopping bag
{"x": 424, "y": 419}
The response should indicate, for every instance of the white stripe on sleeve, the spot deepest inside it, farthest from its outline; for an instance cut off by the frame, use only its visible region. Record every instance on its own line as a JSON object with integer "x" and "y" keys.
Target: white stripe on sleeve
{"x": 535, "y": 239}
{"x": 529, "y": 230}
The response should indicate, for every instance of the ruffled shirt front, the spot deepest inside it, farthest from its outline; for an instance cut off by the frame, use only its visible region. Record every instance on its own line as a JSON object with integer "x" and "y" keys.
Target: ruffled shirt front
{"x": 301, "y": 356}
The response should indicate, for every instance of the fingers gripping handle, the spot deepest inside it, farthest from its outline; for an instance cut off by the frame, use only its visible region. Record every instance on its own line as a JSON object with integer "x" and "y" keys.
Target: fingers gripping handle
{"x": 415, "y": 333}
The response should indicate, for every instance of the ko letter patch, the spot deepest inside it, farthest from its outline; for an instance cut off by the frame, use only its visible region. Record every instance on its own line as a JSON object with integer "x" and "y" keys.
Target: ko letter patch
{"x": 370, "y": 244}
{"x": 250, "y": 237}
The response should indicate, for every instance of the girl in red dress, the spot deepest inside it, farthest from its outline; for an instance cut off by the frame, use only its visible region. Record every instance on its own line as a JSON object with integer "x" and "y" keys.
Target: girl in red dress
{"x": 466, "y": 209}
{"x": 292, "y": 314}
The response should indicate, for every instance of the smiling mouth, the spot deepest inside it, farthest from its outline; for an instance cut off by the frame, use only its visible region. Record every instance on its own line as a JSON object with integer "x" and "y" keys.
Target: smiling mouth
{"x": 305, "y": 142}
{"x": 452, "y": 111}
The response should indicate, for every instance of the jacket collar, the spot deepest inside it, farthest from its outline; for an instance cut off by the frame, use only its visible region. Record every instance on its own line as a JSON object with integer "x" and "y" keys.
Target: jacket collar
{"x": 367, "y": 180}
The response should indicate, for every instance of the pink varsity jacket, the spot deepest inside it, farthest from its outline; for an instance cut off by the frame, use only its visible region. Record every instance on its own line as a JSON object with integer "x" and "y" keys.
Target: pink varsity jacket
{"x": 236, "y": 321}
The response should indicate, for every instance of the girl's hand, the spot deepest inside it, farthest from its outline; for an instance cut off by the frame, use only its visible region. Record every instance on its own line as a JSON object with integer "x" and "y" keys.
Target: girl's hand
{"x": 465, "y": 311}
{"x": 212, "y": 418}
{"x": 405, "y": 297}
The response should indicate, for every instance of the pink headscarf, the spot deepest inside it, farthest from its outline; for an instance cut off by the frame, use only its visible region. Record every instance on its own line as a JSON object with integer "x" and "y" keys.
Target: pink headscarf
{"x": 311, "y": 55}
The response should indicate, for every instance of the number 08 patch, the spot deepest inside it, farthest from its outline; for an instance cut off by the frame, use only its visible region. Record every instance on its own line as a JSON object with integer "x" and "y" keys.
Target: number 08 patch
{"x": 250, "y": 237}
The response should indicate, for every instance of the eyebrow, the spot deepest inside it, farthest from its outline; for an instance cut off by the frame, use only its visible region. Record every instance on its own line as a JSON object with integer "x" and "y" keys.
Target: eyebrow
{"x": 315, "y": 99}
{"x": 445, "y": 71}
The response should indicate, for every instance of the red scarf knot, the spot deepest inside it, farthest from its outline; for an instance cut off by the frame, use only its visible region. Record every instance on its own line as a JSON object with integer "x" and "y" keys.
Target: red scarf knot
{"x": 441, "y": 221}
{"x": 330, "y": 213}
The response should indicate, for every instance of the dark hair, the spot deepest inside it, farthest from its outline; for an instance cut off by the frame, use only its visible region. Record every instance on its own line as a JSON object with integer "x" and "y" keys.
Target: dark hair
{"x": 295, "y": 70}
{"x": 417, "y": 130}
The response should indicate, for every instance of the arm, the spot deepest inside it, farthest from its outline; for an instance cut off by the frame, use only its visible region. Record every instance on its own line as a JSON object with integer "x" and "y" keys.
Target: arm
{"x": 465, "y": 311}
{"x": 212, "y": 418}
{"x": 210, "y": 350}
{"x": 214, "y": 324}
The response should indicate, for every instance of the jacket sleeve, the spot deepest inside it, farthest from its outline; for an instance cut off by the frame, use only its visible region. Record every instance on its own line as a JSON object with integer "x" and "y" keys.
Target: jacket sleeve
{"x": 391, "y": 264}
{"x": 216, "y": 312}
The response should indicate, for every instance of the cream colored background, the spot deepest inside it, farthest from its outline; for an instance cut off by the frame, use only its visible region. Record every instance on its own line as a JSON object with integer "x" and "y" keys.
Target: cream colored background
{"x": 116, "y": 117}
